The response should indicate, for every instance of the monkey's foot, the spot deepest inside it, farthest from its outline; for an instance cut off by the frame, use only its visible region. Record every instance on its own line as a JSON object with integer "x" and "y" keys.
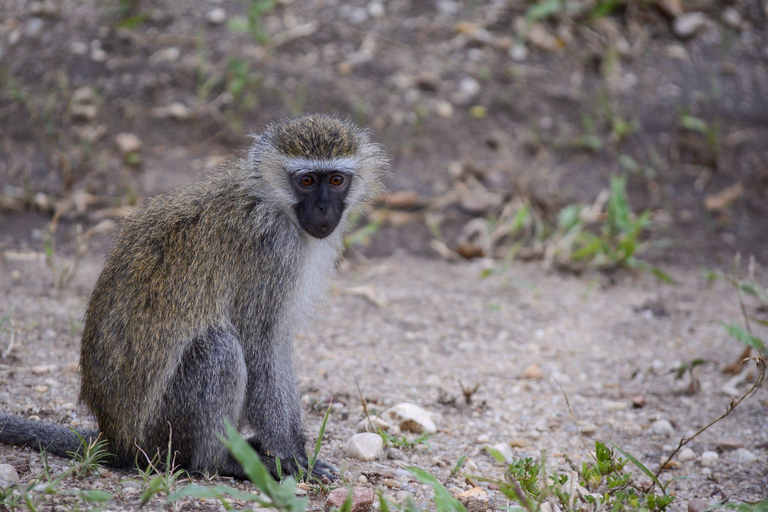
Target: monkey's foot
{"x": 323, "y": 470}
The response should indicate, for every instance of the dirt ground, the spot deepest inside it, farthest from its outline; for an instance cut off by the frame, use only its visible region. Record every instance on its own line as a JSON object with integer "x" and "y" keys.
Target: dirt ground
{"x": 420, "y": 326}
{"x": 477, "y": 98}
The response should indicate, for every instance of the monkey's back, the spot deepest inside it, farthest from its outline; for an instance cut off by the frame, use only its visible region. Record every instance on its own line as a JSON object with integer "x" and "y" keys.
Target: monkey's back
{"x": 181, "y": 265}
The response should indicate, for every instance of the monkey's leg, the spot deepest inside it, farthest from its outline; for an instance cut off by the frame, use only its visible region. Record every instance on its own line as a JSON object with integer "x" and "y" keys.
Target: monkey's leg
{"x": 273, "y": 409}
{"x": 207, "y": 389}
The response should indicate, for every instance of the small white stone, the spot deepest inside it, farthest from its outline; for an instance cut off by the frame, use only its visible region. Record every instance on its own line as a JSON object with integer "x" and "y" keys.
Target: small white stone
{"x": 706, "y": 471}
{"x": 365, "y": 446}
{"x": 376, "y": 9}
{"x": 444, "y": 109}
{"x": 216, "y": 16}
{"x": 483, "y": 438}
{"x": 78, "y": 48}
{"x": 8, "y": 476}
{"x": 504, "y": 449}
{"x": 743, "y": 456}
{"x": 170, "y": 54}
{"x": 411, "y": 418}
{"x": 128, "y": 143}
{"x": 518, "y": 52}
{"x": 731, "y": 17}
{"x": 662, "y": 428}
{"x": 98, "y": 55}
{"x": 373, "y": 424}
{"x": 33, "y": 27}
{"x": 686, "y": 454}
{"x": 469, "y": 87}
{"x": 686, "y": 25}
{"x": 709, "y": 459}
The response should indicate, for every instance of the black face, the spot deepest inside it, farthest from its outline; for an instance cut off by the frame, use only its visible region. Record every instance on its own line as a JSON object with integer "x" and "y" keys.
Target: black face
{"x": 321, "y": 196}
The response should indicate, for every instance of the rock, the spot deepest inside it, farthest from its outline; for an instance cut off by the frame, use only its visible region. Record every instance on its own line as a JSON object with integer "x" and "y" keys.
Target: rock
{"x": 686, "y": 454}
{"x": 697, "y": 505}
{"x": 720, "y": 201}
{"x": 410, "y": 418}
{"x": 743, "y": 456}
{"x": 98, "y": 55}
{"x": 177, "y": 111}
{"x": 731, "y": 17}
{"x": 128, "y": 143}
{"x": 362, "y": 499}
{"x": 519, "y": 442}
{"x": 376, "y": 9}
{"x": 540, "y": 36}
{"x": 373, "y": 424}
{"x": 686, "y": 25}
{"x": 33, "y": 27}
{"x": 483, "y": 438}
{"x": 78, "y": 48}
{"x": 474, "y": 499}
{"x": 395, "y": 453}
{"x": 44, "y": 8}
{"x": 610, "y": 405}
{"x": 709, "y": 459}
{"x": 518, "y": 52}
{"x": 365, "y": 446}
{"x": 638, "y": 402}
{"x": 170, "y": 54}
{"x": 444, "y": 109}
{"x": 469, "y": 87}
{"x": 533, "y": 372}
{"x": 726, "y": 445}
{"x": 216, "y": 16}
{"x": 83, "y": 112}
{"x": 83, "y": 96}
{"x": 662, "y": 428}
{"x": 8, "y": 476}
{"x": 504, "y": 449}
{"x": 403, "y": 496}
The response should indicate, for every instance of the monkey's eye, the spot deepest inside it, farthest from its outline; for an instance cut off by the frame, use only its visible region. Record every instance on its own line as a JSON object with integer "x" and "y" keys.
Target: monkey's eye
{"x": 307, "y": 180}
{"x": 336, "y": 180}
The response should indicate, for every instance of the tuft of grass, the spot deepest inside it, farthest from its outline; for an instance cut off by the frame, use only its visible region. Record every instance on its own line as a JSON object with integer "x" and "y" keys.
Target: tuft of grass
{"x": 404, "y": 442}
{"x": 90, "y": 456}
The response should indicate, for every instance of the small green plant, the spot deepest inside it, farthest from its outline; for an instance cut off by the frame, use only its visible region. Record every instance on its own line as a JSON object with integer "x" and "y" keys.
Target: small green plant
{"x": 90, "y": 456}
{"x": 157, "y": 480}
{"x": 602, "y": 484}
{"x": 693, "y": 384}
{"x": 404, "y": 442}
{"x": 252, "y": 21}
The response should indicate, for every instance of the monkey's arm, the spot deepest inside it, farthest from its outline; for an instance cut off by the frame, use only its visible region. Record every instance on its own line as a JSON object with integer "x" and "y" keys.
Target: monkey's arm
{"x": 273, "y": 408}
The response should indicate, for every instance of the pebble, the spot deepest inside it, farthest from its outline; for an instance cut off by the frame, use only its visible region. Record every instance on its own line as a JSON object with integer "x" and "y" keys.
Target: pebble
{"x": 731, "y": 17}
{"x": 726, "y": 445}
{"x": 662, "y": 428}
{"x": 474, "y": 499}
{"x": 403, "y": 496}
{"x": 216, "y": 16}
{"x": 411, "y": 418}
{"x": 483, "y": 438}
{"x": 362, "y": 499}
{"x": 8, "y": 476}
{"x": 444, "y": 109}
{"x": 469, "y": 87}
{"x": 697, "y": 505}
{"x": 686, "y": 454}
{"x": 376, "y": 9}
{"x": 610, "y": 405}
{"x": 709, "y": 459}
{"x": 78, "y": 48}
{"x": 44, "y": 8}
{"x": 365, "y": 446}
{"x": 83, "y": 95}
{"x": 638, "y": 402}
{"x": 743, "y": 456}
{"x": 395, "y": 453}
{"x": 98, "y": 55}
{"x": 33, "y": 26}
{"x": 533, "y": 372}
{"x": 504, "y": 449}
{"x": 518, "y": 52}
{"x": 170, "y": 54}
{"x": 686, "y": 25}
{"x": 177, "y": 111}
{"x": 373, "y": 424}
{"x": 519, "y": 442}
{"x": 128, "y": 143}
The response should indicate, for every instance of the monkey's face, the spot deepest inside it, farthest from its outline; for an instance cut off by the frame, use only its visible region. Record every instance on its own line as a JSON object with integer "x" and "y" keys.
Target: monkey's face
{"x": 320, "y": 199}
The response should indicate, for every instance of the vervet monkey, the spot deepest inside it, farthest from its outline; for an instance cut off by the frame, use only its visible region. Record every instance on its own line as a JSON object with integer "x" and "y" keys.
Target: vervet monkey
{"x": 192, "y": 320}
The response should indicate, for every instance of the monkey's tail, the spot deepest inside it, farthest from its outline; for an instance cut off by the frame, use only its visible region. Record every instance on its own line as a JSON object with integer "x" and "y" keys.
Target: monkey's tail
{"x": 55, "y": 439}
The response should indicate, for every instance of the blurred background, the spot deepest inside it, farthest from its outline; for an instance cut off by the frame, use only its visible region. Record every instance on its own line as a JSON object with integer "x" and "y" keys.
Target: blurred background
{"x": 582, "y": 133}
